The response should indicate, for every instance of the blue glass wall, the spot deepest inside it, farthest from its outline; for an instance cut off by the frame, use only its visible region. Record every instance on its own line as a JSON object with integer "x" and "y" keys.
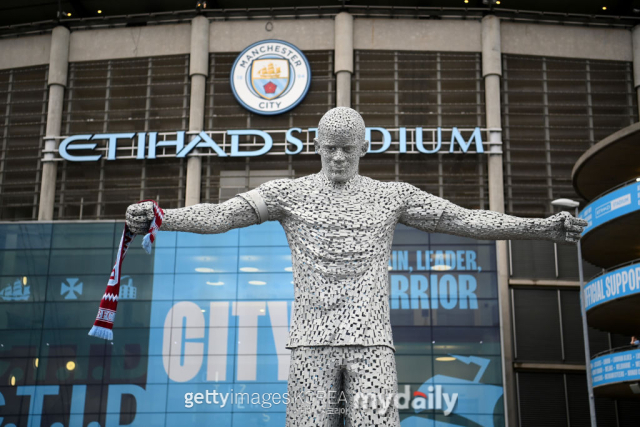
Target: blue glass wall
{"x": 210, "y": 314}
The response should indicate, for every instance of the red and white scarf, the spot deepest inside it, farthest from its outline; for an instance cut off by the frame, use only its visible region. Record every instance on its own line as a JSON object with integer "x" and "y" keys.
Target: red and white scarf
{"x": 102, "y": 327}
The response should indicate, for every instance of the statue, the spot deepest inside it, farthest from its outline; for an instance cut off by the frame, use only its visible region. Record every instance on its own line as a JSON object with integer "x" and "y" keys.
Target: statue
{"x": 340, "y": 226}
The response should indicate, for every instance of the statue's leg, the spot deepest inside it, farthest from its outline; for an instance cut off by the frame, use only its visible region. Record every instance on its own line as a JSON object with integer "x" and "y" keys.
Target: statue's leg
{"x": 315, "y": 382}
{"x": 371, "y": 384}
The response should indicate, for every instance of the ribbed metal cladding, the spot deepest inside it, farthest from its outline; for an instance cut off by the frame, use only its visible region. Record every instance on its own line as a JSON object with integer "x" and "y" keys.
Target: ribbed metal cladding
{"x": 553, "y": 110}
{"x": 537, "y": 325}
{"x": 538, "y": 259}
{"x": 23, "y": 115}
{"x": 578, "y": 400}
{"x": 429, "y": 89}
{"x": 560, "y": 399}
{"x": 542, "y": 400}
{"x": 129, "y": 95}
{"x": 573, "y": 341}
{"x": 223, "y": 112}
{"x": 533, "y": 259}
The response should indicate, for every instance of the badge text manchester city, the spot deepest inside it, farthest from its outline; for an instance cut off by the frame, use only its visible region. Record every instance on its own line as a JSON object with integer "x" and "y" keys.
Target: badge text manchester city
{"x": 270, "y": 77}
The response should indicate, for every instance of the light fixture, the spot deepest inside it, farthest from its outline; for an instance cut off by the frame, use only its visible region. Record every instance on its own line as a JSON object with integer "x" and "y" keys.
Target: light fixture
{"x": 99, "y": 11}
{"x": 638, "y": 179}
{"x": 215, "y": 283}
{"x": 203, "y": 310}
{"x": 24, "y": 281}
{"x": 71, "y": 365}
{"x": 466, "y": 1}
{"x": 36, "y": 361}
{"x": 389, "y": 268}
{"x": 567, "y": 203}
{"x": 445, "y": 359}
{"x": 262, "y": 310}
{"x": 604, "y": 7}
{"x": 249, "y": 269}
{"x": 498, "y": 2}
{"x": 68, "y": 13}
{"x": 257, "y": 282}
{"x": 441, "y": 267}
{"x": 205, "y": 270}
{"x": 291, "y": 268}
{"x": 13, "y": 380}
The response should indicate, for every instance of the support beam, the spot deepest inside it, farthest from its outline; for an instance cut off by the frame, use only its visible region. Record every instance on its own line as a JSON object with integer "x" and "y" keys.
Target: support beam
{"x": 343, "y": 64}
{"x": 58, "y": 67}
{"x": 198, "y": 71}
{"x": 492, "y": 71}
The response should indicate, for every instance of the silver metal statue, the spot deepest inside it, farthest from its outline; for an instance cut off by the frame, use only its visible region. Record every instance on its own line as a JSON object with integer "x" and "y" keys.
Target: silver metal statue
{"x": 340, "y": 227}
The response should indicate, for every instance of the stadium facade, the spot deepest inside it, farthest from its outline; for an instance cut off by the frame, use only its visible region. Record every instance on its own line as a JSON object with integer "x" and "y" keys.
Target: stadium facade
{"x": 488, "y": 112}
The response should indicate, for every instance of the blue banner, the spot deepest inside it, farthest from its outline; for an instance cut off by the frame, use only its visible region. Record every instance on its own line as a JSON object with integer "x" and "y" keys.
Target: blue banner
{"x": 618, "y": 283}
{"x": 611, "y": 206}
{"x": 616, "y": 368}
{"x": 202, "y": 323}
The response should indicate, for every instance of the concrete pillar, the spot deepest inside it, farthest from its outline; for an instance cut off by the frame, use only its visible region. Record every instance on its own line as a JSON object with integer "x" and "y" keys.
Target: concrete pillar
{"x": 198, "y": 71}
{"x": 491, "y": 72}
{"x": 343, "y": 64}
{"x": 635, "y": 39}
{"x": 58, "y": 67}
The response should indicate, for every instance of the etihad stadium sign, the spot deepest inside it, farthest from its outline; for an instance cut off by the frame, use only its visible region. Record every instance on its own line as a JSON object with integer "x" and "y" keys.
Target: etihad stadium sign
{"x": 253, "y": 142}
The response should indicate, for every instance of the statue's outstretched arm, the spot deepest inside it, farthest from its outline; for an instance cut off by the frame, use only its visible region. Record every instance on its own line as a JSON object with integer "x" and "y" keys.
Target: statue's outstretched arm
{"x": 430, "y": 213}
{"x": 490, "y": 225}
{"x": 203, "y": 218}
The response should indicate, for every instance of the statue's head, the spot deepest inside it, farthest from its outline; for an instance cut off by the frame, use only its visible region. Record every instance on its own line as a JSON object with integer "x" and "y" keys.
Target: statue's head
{"x": 341, "y": 143}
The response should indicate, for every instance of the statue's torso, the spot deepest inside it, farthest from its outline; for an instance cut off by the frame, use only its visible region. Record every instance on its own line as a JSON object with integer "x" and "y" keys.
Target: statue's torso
{"x": 340, "y": 240}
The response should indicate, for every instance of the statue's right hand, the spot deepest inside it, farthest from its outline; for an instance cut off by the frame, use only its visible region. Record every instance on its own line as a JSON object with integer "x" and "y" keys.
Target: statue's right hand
{"x": 139, "y": 217}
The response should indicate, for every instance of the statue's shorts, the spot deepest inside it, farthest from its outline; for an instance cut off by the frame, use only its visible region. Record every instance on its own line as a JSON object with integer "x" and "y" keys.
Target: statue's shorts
{"x": 353, "y": 386}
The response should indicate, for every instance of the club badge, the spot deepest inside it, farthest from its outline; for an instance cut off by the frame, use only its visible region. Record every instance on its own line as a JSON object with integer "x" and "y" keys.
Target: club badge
{"x": 270, "y": 77}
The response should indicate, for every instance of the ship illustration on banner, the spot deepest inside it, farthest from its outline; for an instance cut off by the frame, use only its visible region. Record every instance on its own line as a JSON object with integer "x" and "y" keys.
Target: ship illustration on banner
{"x": 270, "y": 77}
{"x": 18, "y": 292}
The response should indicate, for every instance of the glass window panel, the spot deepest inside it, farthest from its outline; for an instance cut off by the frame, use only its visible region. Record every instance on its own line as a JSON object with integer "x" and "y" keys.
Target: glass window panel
{"x": 269, "y": 286}
{"x": 206, "y": 260}
{"x": 206, "y": 286}
{"x": 25, "y": 236}
{"x": 21, "y": 315}
{"x": 24, "y": 263}
{"x": 20, "y": 343}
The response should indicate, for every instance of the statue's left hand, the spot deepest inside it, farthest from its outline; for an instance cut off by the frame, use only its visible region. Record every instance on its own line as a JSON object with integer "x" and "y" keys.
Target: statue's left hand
{"x": 566, "y": 228}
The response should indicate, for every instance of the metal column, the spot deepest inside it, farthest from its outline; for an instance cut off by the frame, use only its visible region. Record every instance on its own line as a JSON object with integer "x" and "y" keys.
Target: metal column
{"x": 491, "y": 72}
{"x": 58, "y": 67}
{"x": 198, "y": 71}
{"x": 343, "y": 58}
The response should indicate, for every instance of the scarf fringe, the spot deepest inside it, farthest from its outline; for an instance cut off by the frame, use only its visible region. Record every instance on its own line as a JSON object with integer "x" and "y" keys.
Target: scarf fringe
{"x": 146, "y": 243}
{"x": 100, "y": 332}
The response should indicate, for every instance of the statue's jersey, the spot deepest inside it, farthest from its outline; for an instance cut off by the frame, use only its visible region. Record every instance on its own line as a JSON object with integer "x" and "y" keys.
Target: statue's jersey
{"x": 340, "y": 239}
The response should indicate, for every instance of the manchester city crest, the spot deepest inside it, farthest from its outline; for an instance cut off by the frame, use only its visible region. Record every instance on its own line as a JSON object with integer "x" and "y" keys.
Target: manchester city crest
{"x": 270, "y": 77}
